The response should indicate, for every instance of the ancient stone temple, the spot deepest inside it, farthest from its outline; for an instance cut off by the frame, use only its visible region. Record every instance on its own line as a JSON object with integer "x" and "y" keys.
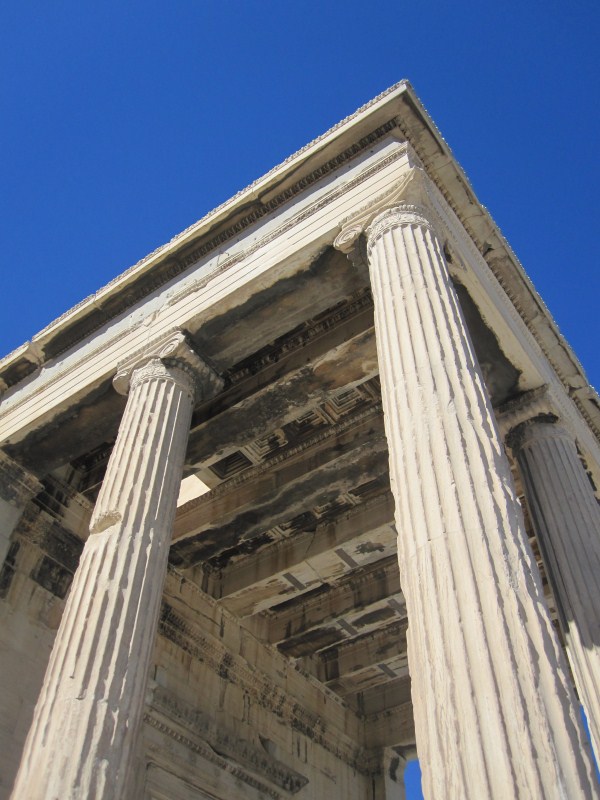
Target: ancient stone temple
{"x": 309, "y": 490}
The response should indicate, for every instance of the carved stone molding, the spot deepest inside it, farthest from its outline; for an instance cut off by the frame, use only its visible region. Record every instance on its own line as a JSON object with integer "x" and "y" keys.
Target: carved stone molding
{"x": 17, "y": 485}
{"x": 404, "y": 214}
{"x": 192, "y": 639}
{"x": 412, "y": 189}
{"x": 171, "y": 269}
{"x": 543, "y": 427}
{"x": 41, "y": 529}
{"x": 226, "y": 264}
{"x": 546, "y": 403}
{"x": 541, "y": 405}
{"x": 224, "y": 741}
{"x": 251, "y": 473}
{"x": 42, "y": 549}
{"x": 359, "y": 302}
{"x": 535, "y": 404}
{"x": 170, "y": 357}
{"x": 206, "y": 752}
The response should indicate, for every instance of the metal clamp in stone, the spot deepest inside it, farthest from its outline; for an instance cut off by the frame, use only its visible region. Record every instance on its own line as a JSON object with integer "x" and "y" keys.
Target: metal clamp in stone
{"x": 171, "y": 357}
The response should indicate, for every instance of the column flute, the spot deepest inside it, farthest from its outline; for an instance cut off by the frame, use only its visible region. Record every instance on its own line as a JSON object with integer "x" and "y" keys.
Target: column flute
{"x": 89, "y": 711}
{"x": 494, "y": 715}
{"x": 566, "y": 519}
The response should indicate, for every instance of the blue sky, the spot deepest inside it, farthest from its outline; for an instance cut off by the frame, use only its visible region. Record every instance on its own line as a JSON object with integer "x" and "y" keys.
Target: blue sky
{"x": 122, "y": 123}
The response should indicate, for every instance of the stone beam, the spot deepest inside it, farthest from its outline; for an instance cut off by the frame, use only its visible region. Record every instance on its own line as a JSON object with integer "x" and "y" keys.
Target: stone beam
{"x": 359, "y": 590}
{"x": 312, "y": 571}
{"x": 319, "y": 284}
{"x": 304, "y": 345}
{"x": 373, "y": 519}
{"x": 224, "y": 504}
{"x": 354, "y": 655}
{"x": 284, "y": 400}
{"x": 349, "y": 686}
{"x": 394, "y": 727}
{"x": 199, "y": 540}
{"x": 378, "y": 700}
{"x": 92, "y": 421}
{"x": 344, "y": 626}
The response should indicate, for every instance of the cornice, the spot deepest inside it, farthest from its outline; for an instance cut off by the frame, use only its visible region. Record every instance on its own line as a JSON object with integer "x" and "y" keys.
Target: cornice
{"x": 226, "y": 264}
{"x": 33, "y": 351}
{"x": 501, "y": 261}
{"x": 314, "y": 208}
{"x": 395, "y": 109}
{"x": 205, "y": 751}
{"x": 422, "y": 188}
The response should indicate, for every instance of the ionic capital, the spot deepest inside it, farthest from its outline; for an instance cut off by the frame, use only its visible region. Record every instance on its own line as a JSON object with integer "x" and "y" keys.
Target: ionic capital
{"x": 530, "y": 415}
{"x": 410, "y": 192}
{"x": 537, "y": 430}
{"x": 172, "y": 358}
{"x": 396, "y": 216}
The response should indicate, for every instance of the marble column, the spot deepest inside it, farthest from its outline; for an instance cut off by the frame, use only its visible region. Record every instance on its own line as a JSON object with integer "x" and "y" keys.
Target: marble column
{"x": 86, "y": 721}
{"x": 494, "y": 713}
{"x": 566, "y": 519}
{"x": 17, "y": 486}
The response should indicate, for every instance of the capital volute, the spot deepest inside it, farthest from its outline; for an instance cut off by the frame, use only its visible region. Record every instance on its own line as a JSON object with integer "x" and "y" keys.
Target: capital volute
{"x": 518, "y": 418}
{"x": 404, "y": 213}
{"x": 408, "y": 196}
{"x": 171, "y": 357}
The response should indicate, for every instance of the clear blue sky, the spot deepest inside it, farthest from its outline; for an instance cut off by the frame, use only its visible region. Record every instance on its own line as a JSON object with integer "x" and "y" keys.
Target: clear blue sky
{"x": 122, "y": 123}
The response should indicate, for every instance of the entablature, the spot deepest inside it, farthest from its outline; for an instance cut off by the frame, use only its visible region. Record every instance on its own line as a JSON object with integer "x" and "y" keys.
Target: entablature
{"x": 203, "y": 254}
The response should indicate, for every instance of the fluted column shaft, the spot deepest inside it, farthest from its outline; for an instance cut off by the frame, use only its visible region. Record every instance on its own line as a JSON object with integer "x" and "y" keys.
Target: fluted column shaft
{"x": 566, "y": 519}
{"x": 494, "y": 715}
{"x": 85, "y": 724}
